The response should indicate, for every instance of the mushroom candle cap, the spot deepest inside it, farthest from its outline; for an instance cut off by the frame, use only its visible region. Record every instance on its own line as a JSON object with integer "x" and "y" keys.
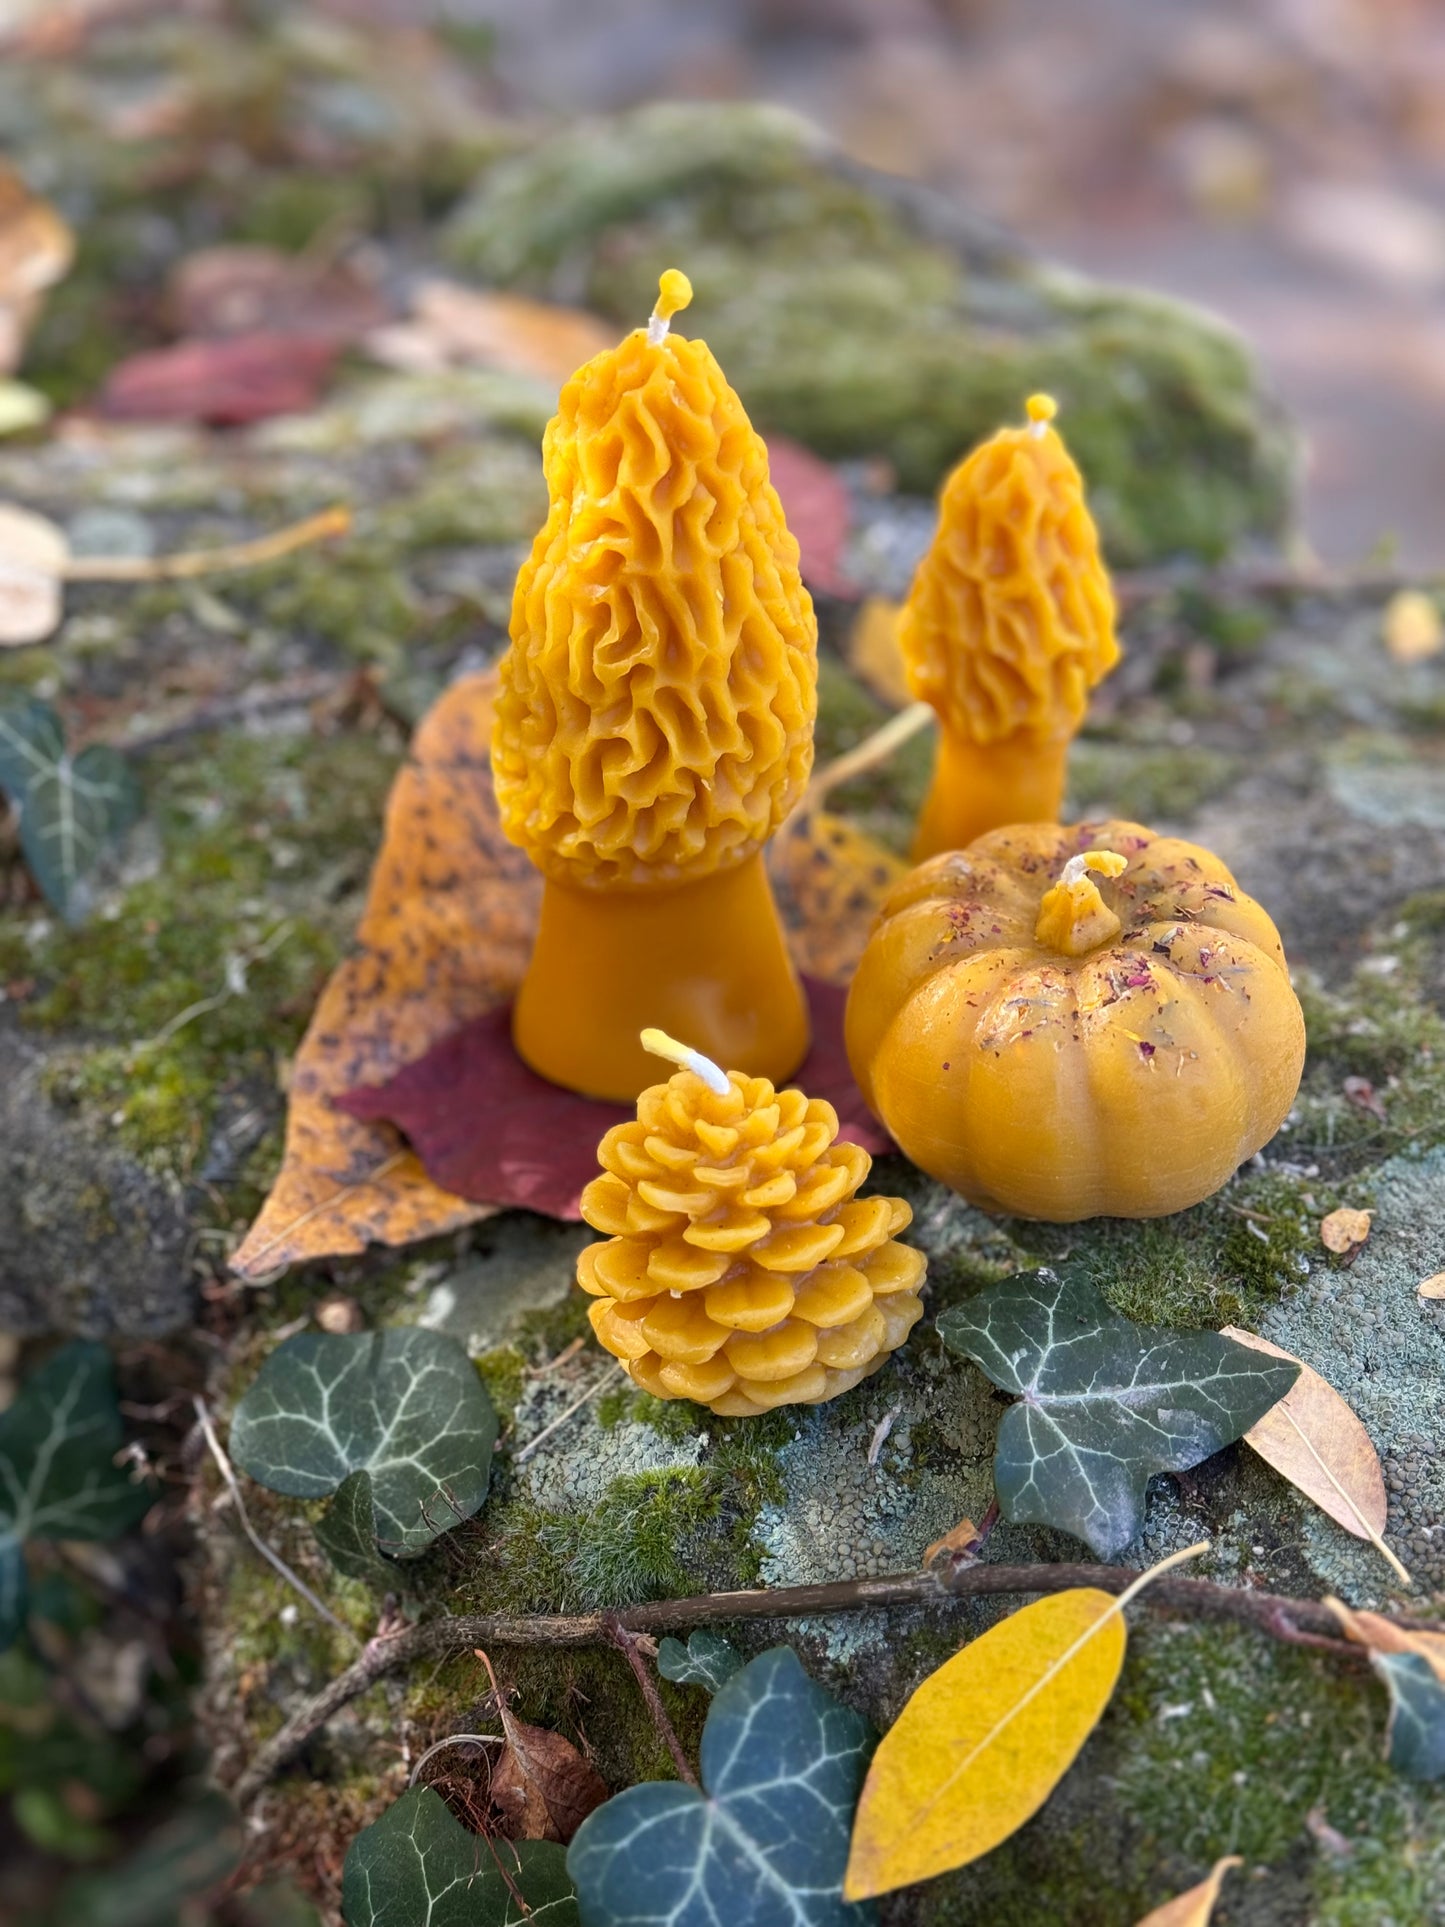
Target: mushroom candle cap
{"x": 1010, "y": 621}
{"x": 655, "y": 718}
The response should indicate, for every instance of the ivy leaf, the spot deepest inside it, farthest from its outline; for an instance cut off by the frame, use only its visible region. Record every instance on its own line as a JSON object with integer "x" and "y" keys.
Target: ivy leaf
{"x": 405, "y": 1406}
{"x": 1415, "y": 1736}
{"x": 1104, "y": 1403}
{"x": 346, "y": 1533}
{"x": 159, "y": 1884}
{"x": 72, "y": 808}
{"x": 417, "y": 1863}
{"x": 766, "y": 1843}
{"x": 58, "y": 1479}
{"x": 707, "y": 1660}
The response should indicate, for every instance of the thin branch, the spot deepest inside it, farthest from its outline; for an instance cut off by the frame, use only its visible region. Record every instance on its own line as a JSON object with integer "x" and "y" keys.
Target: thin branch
{"x": 628, "y": 1644}
{"x": 193, "y": 562}
{"x": 562, "y": 1417}
{"x": 267, "y": 1552}
{"x": 949, "y": 1581}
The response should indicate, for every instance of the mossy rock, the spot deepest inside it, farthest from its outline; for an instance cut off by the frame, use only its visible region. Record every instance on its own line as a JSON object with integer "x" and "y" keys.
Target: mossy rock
{"x": 856, "y": 314}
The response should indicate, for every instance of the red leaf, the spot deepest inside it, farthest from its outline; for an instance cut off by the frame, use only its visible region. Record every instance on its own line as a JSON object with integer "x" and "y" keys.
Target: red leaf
{"x": 819, "y": 512}
{"x": 242, "y": 379}
{"x": 487, "y": 1128}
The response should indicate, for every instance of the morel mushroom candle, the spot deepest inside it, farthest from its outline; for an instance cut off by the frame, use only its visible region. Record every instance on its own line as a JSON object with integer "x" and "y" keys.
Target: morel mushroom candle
{"x": 741, "y": 1269}
{"x": 1008, "y": 626}
{"x": 655, "y": 722}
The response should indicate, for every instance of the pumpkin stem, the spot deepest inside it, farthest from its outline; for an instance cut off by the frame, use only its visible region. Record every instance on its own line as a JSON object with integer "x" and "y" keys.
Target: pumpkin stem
{"x": 1073, "y": 918}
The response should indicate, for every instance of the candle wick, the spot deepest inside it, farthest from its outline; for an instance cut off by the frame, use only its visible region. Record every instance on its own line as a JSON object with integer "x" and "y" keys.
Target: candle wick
{"x": 657, "y": 329}
{"x": 661, "y": 1045}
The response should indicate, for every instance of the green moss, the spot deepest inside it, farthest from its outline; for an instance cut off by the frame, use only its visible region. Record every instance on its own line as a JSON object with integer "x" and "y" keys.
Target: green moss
{"x": 200, "y": 977}
{"x": 1146, "y": 785}
{"x": 1382, "y": 1030}
{"x": 504, "y": 1373}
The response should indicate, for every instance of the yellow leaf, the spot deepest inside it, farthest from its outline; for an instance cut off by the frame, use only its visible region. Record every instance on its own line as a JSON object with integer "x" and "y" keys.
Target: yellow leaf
{"x": 1432, "y": 1287}
{"x": 1411, "y": 627}
{"x": 985, "y": 1740}
{"x": 874, "y": 654}
{"x": 1345, "y": 1230}
{"x": 1196, "y": 1908}
{"x": 1381, "y": 1635}
{"x": 1318, "y": 1443}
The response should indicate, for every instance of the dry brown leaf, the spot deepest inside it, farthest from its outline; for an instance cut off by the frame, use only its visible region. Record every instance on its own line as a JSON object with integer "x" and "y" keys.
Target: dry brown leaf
{"x": 874, "y": 654}
{"x": 1196, "y": 1908}
{"x": 450, "y": 323}
{"x": 36, "y": 250}
{"x": 542, "y": 1788}
{"x": 33, "y": 555}
{"x": 447, "y": 929}
{"x": 1383, "y": 1636}
{"x": 1432, "y": 1287}
{"x": 1314, "y": 1439}
{"x": 1412, "y": 627}
{"x": 959, "y": 1539}
{"x": 1345, "y": 1230}
{"x": 830, "y": 880}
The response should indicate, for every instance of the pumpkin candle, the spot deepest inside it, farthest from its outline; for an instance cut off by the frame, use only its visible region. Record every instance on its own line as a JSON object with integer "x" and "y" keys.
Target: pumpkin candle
{"x": 741, "y": 1270}
{"x": 1075, "y": 1022}
{"x": 1008, "y": 626}
{"x": 655, "y": 722}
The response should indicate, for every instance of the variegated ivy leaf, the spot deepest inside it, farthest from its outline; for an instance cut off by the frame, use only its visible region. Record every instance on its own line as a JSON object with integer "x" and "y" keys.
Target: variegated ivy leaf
{"x": 764, "y": 1844}
{"x": 72, "y": 808}
{"x": 405, "y": 1406}
{"x": 1415, "y": 1738}
{"x": 417, "y": 1864}
{"x": 1103, "y": 1403}
{"x": 707, "y": 1660}
{"x": 58, "y": 1476}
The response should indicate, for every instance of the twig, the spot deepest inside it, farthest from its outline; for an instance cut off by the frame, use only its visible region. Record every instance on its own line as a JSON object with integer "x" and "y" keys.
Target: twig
{"x": 440, "y": 1638}
{"x": 235, "y": 986}
{"x": 873, "y": 750}
{"x": 268, "y": 1553}
{"x": 576, "y": 1406}
{"x": 192, "y": 562}
{"x": 627, "y": 1644}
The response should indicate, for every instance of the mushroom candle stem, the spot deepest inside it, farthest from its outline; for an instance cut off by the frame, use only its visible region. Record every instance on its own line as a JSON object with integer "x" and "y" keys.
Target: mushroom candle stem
{"x": 655, "y": 722}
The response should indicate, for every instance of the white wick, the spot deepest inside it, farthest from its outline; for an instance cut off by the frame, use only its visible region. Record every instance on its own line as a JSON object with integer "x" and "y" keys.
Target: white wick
{"x": 657, "y": 327}
{"x": 1075, "y": 870}
{"x": 661, "y": 1045}
{"x": 1036, "y": 428}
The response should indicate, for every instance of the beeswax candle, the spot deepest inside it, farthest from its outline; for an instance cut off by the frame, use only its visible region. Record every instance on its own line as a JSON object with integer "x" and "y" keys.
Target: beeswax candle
{"x": 1076, "y": 1022}
{"x": 655, "y": 722}
{"x": 740, "y": 1269}
{"x": 1008, "y": 626}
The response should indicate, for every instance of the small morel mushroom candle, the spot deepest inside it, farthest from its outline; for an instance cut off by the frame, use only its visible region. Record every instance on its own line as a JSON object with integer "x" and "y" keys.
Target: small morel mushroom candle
{"x": 655, "y": 722}
{"x": 1008, "y": 626}
{"x": 1076, "y": 1022}
{"x": 741, "y": 1270}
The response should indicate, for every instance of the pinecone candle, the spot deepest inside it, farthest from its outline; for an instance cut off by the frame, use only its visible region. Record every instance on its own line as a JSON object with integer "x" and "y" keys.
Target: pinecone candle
{"x": 741, "y": 1271}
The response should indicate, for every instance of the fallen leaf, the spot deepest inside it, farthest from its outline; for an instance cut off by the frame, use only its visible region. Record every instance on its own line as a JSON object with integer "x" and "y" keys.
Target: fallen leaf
{"x": 450, "y": 323}
{"x": 1415, "y": 1732}
{"x": 1382, "y": 1635}
{"x": 33, "y": 554}
{"x": 542, "y": 1788}
{"x": 830, "y": 880}
{"x": 1363, "y": 1095}
{"x": 1345, "y": 1230}
{"x": 1432, "y": 1287}
{"x": 244, "y": 378}
{"x": 1314, "y": 1439}
{"x": 819, "y": 512}
{"x": 1411, "y": 626}
{"x": 445, "y": 936}
{"x": 1196, "y": 1908}
{"x": 874, "y": 654}
{"x": 985, "y": 1740}
{"x": 961, "y": 1539}
{"x": 1104, "y": 1403}
{"x": 36, "y": 250}
{"x": 488, "y": 1128}
{"x": 240, "y": 289}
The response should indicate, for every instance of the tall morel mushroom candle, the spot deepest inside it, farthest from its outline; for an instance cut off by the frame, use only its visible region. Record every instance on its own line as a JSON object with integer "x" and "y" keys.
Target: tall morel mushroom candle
{"x": 1008, "y": 626}
{"x": 655, "y": 722}
{"x": 741, "y": 1269}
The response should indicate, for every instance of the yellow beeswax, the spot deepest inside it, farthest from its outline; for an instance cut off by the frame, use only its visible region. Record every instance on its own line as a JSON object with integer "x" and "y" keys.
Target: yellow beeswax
{"x": 1008, "y": 626}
